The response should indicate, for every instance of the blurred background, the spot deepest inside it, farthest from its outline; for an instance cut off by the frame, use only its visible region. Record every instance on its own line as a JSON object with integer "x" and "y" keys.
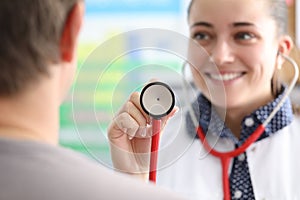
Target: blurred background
{"x": 103, "y": 84}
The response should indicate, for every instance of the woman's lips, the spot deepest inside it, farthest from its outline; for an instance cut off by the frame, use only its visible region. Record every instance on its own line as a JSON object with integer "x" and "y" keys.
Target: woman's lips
{"x": 225, "y": 76}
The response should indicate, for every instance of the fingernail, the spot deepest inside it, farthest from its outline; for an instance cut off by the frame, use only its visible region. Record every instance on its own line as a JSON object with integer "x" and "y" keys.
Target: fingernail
{"x": 144, "y": 132}
{"x": 130, "y": 137}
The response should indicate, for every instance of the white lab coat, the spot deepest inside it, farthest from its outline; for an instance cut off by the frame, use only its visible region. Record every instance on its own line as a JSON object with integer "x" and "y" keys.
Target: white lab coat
{"x": 274, "y": 164}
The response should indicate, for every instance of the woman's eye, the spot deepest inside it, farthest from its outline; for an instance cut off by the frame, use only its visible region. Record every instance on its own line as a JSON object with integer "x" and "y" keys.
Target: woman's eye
{"x": 201, "y": 36}
{"x": 244, "y": 36}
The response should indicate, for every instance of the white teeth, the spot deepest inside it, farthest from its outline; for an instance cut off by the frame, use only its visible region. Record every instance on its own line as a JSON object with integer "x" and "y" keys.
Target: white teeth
{"x": 225, "y": 77}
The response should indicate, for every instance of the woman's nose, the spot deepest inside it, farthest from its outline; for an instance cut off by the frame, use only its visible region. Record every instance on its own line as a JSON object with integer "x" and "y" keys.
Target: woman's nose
{"x": 222, "y": 53}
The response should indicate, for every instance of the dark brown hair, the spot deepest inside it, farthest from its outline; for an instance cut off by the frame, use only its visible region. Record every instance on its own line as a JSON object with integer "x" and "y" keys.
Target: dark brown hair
{"x": 29, "y": 38}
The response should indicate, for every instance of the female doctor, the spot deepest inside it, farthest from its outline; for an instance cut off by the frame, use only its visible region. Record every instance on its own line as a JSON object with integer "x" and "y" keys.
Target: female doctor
{"x": 247, "y": 41}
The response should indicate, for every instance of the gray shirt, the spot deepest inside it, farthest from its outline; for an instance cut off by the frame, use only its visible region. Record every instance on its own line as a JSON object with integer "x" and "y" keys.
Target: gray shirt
{"x": 31, "y": 170}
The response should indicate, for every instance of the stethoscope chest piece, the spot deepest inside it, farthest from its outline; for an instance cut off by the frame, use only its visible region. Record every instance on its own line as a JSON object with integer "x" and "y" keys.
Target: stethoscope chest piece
{"x": 157, "y": 99}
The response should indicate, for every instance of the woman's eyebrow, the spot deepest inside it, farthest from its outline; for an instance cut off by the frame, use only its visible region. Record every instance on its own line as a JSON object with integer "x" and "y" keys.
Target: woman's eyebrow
{"x": 206, "y": 24}
{"x": 237, "y": 24}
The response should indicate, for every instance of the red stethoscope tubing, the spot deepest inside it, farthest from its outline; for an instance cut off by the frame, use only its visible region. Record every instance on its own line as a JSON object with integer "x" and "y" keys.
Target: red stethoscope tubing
{"x": 226, "y": 156}
{"x": 156, "y": 124}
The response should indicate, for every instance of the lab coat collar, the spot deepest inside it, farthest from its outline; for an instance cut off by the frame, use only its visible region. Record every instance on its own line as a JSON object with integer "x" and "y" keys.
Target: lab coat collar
{"x": 212, "y": 123}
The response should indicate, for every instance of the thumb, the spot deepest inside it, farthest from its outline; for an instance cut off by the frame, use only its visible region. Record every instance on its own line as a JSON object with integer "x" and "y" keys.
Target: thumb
{"x": 165, "y": 119}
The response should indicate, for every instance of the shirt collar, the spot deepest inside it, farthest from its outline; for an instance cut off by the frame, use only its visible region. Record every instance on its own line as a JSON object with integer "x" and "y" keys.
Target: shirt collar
{"x": 212, "y": 123}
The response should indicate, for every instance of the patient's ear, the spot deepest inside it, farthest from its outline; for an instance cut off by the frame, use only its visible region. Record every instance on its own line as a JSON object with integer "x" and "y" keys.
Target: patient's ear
{"x": 70, "y": 32}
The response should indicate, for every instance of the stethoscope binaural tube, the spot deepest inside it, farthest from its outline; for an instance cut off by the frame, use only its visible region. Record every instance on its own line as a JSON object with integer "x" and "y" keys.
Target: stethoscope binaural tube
{"x": 226, "y": 156}
{"x": 157, "y": 100}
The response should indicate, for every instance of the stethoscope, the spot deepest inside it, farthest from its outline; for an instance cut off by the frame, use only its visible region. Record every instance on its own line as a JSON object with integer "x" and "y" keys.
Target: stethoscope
{"x": 157, "y": 100}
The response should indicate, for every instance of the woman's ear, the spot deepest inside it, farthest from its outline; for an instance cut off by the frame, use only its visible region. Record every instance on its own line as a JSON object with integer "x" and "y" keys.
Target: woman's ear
{"x": 70, "y": 33}
{"x": 285, "y": 46}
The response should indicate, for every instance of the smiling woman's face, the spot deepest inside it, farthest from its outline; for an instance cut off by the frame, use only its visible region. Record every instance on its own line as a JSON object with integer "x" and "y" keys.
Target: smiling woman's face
{"x": 241, "y": 38}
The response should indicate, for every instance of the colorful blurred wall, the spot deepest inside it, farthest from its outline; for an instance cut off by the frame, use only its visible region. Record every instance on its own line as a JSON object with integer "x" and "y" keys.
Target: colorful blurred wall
{"x": 102, "y": 84}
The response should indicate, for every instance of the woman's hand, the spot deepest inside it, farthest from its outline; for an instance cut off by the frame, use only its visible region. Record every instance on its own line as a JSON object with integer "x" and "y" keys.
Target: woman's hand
{"x": 130, "y": 137}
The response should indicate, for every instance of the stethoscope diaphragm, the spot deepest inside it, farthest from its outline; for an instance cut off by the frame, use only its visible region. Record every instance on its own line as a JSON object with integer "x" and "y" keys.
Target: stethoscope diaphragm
{"x": 157, "y": 99}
